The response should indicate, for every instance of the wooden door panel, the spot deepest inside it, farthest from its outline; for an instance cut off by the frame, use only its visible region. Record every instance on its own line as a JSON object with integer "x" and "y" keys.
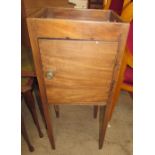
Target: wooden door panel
{"x": 82, "y": 69}
{"x": 76, "y": 96}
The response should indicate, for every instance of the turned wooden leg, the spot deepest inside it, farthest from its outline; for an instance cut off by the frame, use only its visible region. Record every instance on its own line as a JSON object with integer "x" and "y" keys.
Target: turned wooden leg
{"x": 25, "y": 135}
{"x": 103, "y": 122}
{"x": 95, "y": 111}
{"x": 56, "y": 108}
{"x": 29, "y": 100}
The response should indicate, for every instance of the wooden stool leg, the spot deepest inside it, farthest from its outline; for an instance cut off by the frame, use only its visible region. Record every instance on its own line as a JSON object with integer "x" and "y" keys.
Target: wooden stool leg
{"x": 28, "y": 96}
{"x": 25, "y": 135}
{"x": 56, "y": 108}
{"x": 95, "y": 111}
{"x": 103, "y": 122}
{"x": 37, "y": 94}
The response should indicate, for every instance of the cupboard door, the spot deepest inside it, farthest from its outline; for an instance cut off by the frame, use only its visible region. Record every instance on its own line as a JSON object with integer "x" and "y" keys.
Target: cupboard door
{"x": 77, "y": 71}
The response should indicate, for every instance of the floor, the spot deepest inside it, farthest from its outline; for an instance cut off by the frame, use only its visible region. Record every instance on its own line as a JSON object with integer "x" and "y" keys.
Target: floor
{"x": 76, "y": 131}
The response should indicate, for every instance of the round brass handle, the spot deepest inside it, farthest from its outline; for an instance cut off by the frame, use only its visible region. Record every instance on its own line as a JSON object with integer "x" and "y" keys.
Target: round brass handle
{"x": 49, "y": 75}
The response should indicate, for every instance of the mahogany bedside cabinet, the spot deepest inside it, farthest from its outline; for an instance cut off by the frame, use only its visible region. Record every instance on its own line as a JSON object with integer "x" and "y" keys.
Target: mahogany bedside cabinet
{"x": 77, "y": 56}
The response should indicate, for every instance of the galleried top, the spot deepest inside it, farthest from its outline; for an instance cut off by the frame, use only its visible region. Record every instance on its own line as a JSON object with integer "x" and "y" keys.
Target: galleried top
{"x": 77, "y": 14}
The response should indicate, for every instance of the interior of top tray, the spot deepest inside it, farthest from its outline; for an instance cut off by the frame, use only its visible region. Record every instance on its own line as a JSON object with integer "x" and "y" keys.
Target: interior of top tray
{"x": 79, "y": 14}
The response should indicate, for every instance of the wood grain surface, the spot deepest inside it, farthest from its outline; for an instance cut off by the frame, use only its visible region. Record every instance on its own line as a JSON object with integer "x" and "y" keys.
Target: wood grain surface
{"x": 82, "y": 69}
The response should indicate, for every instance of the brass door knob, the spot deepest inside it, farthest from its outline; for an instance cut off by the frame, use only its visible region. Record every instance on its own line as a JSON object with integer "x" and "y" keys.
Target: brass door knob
{"x": 49, "y": 75}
